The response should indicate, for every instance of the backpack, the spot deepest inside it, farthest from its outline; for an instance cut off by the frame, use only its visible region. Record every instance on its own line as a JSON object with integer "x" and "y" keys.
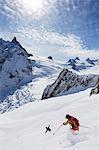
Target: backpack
{"x": 74, "y": 122}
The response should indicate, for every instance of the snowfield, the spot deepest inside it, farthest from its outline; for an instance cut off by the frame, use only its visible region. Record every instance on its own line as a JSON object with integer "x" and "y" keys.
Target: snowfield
{"x": 24, "y": 128}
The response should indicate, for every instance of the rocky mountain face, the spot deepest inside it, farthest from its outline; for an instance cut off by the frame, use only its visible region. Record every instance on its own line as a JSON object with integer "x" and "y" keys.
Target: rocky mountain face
{"x": 69, "y": 82}
{"x": 15, "y": 67}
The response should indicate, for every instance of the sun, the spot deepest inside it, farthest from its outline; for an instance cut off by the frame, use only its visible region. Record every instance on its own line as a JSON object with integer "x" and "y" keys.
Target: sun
{"x": 32, "y": 6}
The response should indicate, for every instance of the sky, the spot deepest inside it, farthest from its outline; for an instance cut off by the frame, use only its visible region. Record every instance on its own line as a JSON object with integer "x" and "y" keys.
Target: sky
{"x": 61, "y": 28}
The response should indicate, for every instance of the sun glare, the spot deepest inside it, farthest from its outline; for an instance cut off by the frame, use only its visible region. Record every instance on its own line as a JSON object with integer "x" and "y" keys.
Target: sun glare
{"x": 31, "y": 6}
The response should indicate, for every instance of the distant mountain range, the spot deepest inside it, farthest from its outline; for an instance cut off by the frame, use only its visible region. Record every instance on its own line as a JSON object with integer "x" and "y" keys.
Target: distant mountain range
{"x": 78, "y": 65}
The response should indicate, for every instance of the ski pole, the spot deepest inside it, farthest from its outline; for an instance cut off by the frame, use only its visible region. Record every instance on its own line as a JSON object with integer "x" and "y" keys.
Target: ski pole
{"x": 57, "y": 129}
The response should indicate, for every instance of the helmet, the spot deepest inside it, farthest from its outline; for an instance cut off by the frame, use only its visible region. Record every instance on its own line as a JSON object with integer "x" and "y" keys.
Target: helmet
{"x": 68, "y": 116}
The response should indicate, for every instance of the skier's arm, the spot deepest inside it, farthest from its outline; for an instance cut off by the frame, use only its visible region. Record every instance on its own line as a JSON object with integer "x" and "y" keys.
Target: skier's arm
{"x": 65, "y": 123}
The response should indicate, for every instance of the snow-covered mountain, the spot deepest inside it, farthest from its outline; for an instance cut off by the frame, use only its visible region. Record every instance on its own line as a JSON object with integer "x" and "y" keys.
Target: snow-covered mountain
{"x": 69, "y": 82}
{"x": 23, "y": 77}
{"x": 20, "y": 75}
{"x": 15, "y": 67}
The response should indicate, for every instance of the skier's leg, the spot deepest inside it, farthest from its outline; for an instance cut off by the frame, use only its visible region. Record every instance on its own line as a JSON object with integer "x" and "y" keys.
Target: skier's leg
{"x": 75, "y": 131}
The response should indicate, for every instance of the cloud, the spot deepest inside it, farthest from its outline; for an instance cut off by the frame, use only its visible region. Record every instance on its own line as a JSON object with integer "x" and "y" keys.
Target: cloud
{"x": 69, "y": 41}
{"x": 69, "y": 45}
{"x": 22, "y": 9}
{"x": 82, "y": 53}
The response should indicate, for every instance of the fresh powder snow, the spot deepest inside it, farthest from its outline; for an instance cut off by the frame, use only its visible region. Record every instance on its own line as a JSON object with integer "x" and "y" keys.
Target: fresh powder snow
{"x": 24, "y": 128}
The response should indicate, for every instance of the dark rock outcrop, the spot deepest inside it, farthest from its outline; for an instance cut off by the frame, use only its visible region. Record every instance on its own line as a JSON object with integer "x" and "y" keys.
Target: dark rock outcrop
{"x": 50, "y": 57}
{"x": 95, "y": 90}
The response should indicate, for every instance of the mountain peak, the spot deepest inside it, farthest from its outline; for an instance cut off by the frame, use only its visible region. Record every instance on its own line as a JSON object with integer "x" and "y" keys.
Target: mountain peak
{"x": 15, "y": 40}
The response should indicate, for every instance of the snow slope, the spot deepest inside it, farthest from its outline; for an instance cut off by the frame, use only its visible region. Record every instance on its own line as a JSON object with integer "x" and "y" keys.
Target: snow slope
{"x": 24, "y": 128}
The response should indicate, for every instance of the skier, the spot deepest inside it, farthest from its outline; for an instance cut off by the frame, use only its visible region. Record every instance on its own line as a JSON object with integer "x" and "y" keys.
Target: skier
{"x": 73, "y": 122}
{"x": 48, "y": 129}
